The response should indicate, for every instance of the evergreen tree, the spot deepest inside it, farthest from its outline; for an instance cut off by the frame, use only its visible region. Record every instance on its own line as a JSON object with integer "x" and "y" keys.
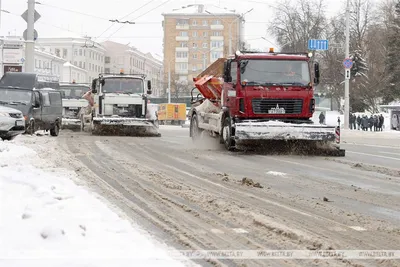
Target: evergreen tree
{"x": 360, "y": 67}
{"x": 392, "y": 90}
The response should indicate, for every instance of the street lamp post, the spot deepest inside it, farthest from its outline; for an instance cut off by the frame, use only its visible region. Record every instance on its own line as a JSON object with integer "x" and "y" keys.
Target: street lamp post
{"x": 230, "y": 26}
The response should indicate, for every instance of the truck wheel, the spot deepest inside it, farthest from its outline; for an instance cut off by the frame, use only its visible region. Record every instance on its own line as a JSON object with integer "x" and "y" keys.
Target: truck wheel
{"x": 55, "y": 130}
{"x": 195, "y": 131}
{"x": 227, "y": 134}
{"x": 31, "y": 128}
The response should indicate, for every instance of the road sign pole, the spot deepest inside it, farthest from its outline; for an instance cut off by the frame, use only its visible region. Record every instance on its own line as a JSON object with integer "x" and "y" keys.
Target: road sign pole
{"x": 30, "y": 43}
{"x": 347, "y": 81}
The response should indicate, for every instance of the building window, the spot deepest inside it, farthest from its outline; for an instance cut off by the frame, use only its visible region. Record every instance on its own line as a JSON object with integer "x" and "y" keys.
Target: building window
{"x": 216, "y": 22}
{"x": 107, "y": 70}
{"x": 184, "y": 34}
{"x": 216, "y": 33}
{"x": 194, "y": 56}
{"x": 80, "y": 64}
{"x": 181, "y": 22}
{"x": 107, "y": 60}
{"x": 205, "y": 34}
{"x": 216, "y": 55}
{"x": 205, "y": 22}
{"x": 181, "y": 54}
{"x": 194, "y": 45}
{"x": 182, "y": 66}
{"x": 84, "y": 65}
{"x": 58, "y": 51}
{"x": 36, "y": 63}
{"x": 80, "y": 52}
{"x": 194, "y": 34}
{"x": 65, "y": 53}
{"x": 217, "y": 44}
{"x": 75, "y": 63}
{"x": 75, "y": 52}
{"x": 205, "y": 45}
{"x": 40, "y": 64}
{"x": 183, "y": 44}
{"x": 194, "y": 22}
{"x": 194, "y": 68}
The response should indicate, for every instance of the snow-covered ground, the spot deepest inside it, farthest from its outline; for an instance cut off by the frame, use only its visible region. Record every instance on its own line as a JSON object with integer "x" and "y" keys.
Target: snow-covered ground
{"x": 47, "y": 219}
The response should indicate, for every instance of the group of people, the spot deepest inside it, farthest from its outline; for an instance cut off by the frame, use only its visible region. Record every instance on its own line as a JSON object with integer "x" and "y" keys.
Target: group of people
{"x": 373, "y": 123}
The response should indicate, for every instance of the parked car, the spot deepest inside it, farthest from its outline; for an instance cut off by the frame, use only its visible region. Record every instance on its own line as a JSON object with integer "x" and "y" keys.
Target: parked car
{"x": 40, "y": 104}
{"x": 12, "y": 123}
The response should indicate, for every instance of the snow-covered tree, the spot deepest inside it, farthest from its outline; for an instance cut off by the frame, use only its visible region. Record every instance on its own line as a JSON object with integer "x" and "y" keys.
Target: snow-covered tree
{"x": 392, "y": 90}
{"x": 360, "y": 67}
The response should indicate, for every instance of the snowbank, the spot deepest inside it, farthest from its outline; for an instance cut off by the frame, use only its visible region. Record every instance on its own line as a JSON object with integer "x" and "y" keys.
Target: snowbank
{"x": 45, "y": 215}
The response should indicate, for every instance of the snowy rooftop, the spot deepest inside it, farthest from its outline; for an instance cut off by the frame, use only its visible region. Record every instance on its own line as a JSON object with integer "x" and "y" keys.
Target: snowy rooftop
{"x": 198, "y": 9}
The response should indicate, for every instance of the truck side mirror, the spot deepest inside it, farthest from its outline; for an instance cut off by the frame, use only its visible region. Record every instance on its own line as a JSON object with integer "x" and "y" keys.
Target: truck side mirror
{"x": 94, "y": 82}
{"x": 227, "y": 71}
{"x": 316, "y": 73}
{"x": 149, "y": 88}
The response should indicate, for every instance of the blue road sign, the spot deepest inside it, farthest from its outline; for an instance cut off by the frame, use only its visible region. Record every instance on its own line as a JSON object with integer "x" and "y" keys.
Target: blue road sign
{"x": 315, "y": 44}
{"x": 347, "y": 63}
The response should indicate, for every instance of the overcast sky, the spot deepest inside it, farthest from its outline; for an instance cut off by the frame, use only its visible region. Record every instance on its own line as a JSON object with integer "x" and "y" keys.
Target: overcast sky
{"x": 146, "y": 35}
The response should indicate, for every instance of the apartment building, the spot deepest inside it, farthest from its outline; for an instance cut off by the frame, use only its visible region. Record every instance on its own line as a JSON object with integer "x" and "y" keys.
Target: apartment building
{"x": 129, "y": 59}
{"x": 196, "y": 36}
{"x": 81, "y": 52}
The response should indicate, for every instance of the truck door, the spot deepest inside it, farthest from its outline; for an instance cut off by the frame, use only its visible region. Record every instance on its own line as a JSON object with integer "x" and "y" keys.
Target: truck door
{"x": 229, "y": 89}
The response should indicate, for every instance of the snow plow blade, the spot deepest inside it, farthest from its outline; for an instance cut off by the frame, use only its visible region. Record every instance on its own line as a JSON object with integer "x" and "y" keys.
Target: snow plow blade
{"x": 71, "y": 124}
{"x": 304, "y": 136}
{"x": 125, "y": 127}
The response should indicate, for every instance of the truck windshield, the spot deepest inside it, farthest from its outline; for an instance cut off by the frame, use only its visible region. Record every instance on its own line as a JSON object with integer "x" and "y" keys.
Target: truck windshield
{"x": 15, "y": 96}
{"x": 275, "y": 72}
{"x": 123, "y": 86}
{"x": 73, "y": 92}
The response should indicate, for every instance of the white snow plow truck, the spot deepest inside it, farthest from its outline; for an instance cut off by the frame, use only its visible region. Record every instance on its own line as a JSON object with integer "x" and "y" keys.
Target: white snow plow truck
{"x": 73, "y": 104}
{"x": 253, "y": 98}
{"x": 120, "y": 106}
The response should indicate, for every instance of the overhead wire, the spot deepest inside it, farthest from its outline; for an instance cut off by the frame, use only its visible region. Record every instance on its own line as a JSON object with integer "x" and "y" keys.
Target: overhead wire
{"x": 139, "y": 17}
{"x": 149, "y": 2}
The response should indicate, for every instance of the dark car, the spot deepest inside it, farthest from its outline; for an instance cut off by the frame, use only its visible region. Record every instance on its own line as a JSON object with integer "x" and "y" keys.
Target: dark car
{"x": 40, "y": 104}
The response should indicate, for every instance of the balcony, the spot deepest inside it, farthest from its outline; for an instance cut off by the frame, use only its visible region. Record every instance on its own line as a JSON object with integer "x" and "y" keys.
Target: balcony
{"x": 182, "y": 38}
{"x": 216, "y": 38}
{"x": 182, "y": 49}
{"x": 217, "y": 27}
{"x": 181, "y": 72}
{"x": 181, "y": 59}
{"x": 182, "y": 27}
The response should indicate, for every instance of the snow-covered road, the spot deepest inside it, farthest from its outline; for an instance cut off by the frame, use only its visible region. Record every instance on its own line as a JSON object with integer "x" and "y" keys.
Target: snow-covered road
{"x": 48, "y": 219}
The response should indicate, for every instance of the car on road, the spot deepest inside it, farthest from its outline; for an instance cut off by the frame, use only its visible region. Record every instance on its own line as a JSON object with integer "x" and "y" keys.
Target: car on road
{"x": 12, "y": 123}
{"x": 39, "y": 100}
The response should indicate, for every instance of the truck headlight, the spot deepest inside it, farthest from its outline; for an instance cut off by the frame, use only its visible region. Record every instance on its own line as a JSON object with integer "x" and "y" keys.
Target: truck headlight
{"x": 4, "y": 114}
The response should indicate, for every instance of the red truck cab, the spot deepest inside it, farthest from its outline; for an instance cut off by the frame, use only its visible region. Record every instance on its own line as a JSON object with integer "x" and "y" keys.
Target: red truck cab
{"x": 268, "y": 86}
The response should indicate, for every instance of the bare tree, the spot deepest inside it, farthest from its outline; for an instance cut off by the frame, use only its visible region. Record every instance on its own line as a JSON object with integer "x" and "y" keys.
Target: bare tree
{"x": 295, "y": 22}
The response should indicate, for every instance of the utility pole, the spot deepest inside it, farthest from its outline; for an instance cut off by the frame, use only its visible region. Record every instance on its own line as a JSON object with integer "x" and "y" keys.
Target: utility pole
{"x": 169, "y": 82}
{"x": 0, "y": 13}
{"x": 30, "y": 43}
{"x": 347, "y": 81}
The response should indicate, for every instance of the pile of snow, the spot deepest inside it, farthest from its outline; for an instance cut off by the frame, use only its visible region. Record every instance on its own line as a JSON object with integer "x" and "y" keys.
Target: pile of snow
{"x": 45, "y": 215}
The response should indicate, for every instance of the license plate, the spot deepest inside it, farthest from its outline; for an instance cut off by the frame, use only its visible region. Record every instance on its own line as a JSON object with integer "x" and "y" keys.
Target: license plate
{"x": 19, "y": 123}
{"x": 123, "y": 106}
{"x": 277, "y": 111}
{"x": 73, "y": 108}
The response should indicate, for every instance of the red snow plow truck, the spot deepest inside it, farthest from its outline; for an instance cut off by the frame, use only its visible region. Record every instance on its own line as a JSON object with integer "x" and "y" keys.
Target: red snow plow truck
{"x": 261, "y": 97}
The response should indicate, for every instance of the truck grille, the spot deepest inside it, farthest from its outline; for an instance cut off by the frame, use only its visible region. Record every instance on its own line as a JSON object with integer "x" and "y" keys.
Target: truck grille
{"x": 276, "y": 106}
{"x": 131, "y": 111}
{"x": 71, "y": 113}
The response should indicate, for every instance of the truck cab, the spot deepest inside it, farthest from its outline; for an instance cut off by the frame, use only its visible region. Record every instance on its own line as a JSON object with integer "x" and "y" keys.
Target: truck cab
{"x": 73, "y": 103}
{"x": 120, "y": 95}
{"x": 265, "y": 86}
